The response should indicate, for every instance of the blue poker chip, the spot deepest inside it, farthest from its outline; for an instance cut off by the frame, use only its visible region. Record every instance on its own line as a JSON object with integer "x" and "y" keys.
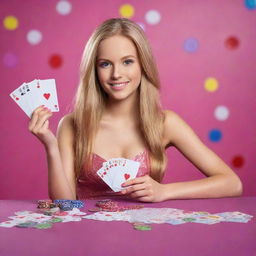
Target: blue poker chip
{"x": 67, "y": 205}
{"x": 77, "y": 203}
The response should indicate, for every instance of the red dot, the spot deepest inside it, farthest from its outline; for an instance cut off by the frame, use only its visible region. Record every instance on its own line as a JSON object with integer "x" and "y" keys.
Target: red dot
{"x": 55, "y": 61}
{"x": 232, "y": 42}
{"x": 238, "y": 161}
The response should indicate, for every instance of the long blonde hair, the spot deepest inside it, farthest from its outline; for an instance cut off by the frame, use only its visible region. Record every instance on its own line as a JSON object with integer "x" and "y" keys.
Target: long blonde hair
{"x": 90, "y": 99}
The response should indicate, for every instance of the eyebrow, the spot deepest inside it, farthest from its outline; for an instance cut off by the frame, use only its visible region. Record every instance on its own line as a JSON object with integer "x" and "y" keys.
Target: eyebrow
{"x": 121, "y": 58}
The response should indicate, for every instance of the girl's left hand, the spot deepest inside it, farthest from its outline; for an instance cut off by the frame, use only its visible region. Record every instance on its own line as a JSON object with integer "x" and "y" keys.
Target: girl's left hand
{"x": 144, "y": 189}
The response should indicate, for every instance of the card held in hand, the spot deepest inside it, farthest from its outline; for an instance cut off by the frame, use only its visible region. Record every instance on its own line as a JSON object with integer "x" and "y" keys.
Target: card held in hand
{"x": 31, "y": 95}
{"x": 116, "y": 171}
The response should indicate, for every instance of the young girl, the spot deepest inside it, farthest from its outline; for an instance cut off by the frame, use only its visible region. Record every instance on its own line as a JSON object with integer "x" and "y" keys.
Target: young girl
{"x": 117, "y": 114}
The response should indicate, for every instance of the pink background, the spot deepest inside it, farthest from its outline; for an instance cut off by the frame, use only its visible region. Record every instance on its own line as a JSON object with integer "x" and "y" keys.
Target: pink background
{"x": 23, "y": 172}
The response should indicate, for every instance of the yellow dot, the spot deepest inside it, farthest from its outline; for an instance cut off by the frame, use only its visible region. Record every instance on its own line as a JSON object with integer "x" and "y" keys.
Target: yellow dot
{"x": 211, "y": 84}
{"x": 11, "y": 22}
{"x": 126, "y": 10}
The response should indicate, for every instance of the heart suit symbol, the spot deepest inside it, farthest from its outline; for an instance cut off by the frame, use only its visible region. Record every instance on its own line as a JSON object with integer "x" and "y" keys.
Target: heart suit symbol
{"x": 127, "y": 176}
{"x": 47, "y": 95}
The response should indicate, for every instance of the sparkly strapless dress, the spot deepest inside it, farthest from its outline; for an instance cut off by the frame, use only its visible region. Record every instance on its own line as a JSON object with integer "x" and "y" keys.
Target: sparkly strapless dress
{"x": 90, "y": 185}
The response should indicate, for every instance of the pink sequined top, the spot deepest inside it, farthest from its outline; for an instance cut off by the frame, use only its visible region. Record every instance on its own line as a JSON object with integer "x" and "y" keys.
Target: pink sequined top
{"x": 90, "y": 185}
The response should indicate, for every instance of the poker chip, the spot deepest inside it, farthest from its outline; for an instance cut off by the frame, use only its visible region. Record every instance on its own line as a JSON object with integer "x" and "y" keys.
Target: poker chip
{"x": 67, "y": 205}
{"x": 42, "y": 204}
{"x": 43, "y": 225}
{"x": 51, "y": 211}
{"x": 61, "y": 214}
{"x": 96, "y": 209}
{"x": 55, "y": 220}
{"x": 109, "y": 206}
{"x": 77, "y": 203}
{"x": 142, "y": 226}
{"x": 189, "y": 219}
{"x": 28, "y": 224}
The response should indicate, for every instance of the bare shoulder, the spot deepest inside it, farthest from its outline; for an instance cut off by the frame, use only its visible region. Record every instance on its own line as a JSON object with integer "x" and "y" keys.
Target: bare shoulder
{"x": 174, "y": 127}
{"x": 66, "y": 127}
{"x": 170, "y": 115}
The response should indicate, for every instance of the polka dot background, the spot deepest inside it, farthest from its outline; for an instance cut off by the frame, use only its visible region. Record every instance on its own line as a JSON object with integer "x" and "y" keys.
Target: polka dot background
{"x": 206, "y": 62}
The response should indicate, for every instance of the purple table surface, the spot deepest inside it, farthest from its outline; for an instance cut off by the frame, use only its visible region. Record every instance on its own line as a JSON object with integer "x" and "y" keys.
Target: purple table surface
{"x": 90, "y": 237}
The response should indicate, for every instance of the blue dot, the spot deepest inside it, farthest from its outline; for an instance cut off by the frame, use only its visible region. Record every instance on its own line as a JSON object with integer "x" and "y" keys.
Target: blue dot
{"x": 191, "y": 45}
{"x": 250, "y": 4}
{"x": 215, "y": 135}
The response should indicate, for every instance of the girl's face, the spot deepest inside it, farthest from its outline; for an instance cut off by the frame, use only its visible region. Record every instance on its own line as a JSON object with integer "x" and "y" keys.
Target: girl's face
{"x": 118, "y": 67}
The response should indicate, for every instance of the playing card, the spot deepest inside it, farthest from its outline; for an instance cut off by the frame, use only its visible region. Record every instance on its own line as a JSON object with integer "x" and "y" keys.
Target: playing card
{"x": 31, "y": 95}
{"x": 109, "y": 216}
{"x": 103, "y": 173}
{"x": 46, "y": 92}
{"x": 116, "y": 171}
{"x": 8, "y": 223}
{"x": 235, "y": 217}
{"x": 124, "y": 173}
{"x": 43, "y": 92}
{"x": 20, "y": 97}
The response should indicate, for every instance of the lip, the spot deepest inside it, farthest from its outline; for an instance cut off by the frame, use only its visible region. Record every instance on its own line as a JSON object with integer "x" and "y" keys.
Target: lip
{"x": 120, "y": 87}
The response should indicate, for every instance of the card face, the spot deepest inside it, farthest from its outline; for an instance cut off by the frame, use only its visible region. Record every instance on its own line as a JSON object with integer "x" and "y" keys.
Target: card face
{"x": 116, "y": 171}
{"x": 47, "y": 91}
{"x": 31, "y": 95}
{"x": 103, "y": 173}
{"x": 124, "y": 173}
{"x": 20, "y": 97}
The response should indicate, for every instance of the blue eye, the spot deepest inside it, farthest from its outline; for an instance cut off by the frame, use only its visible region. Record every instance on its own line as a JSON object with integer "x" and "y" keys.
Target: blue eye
{"x": 128, "y": 61}
{"x": 103, "y": 64}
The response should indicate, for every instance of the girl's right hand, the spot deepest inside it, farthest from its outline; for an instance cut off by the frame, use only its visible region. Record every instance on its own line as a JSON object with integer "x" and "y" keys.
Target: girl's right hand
{"x": 39, "y": 126}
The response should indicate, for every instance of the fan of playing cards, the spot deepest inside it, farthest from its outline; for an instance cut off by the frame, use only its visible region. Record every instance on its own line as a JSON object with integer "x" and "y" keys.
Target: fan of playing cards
{"x": 116, "y": 171}
{"x": 31, "y": 95}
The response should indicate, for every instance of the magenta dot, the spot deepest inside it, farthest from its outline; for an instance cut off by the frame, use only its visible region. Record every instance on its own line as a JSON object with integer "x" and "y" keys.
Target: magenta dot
{"x": 10, "y": 60}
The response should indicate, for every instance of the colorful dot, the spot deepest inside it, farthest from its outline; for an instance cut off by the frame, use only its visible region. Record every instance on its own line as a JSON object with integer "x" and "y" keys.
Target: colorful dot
{"x": 153, "y": 17}
{"x": 10, "y": 60}
{"x": 63, "y": 7}
{"x": 221, "y": 113}
{"x": 141, "y": 25}
{"x": 250, "y": 4}
{"x": 126, "y": 11}
{"x": 55, "y": 61}
{"x": 34, "y": 36}
{"x": 191, "y": 45}
{"x": 211, "y": 84}
{"x": 238, "y": 161}
{"x": 232, "y": 43}
{"x": 11, "y": 22}
{"x": 215, "y": 135}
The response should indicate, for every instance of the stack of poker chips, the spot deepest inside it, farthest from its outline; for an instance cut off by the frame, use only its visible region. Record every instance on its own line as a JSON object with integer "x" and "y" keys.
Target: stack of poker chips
{"x": 42, "y": 204}
{"x": 47, "y": 207}
{"x": 109, "y": 206}
{"x": 68, "y": 205}
{"x": 50, "y": 207}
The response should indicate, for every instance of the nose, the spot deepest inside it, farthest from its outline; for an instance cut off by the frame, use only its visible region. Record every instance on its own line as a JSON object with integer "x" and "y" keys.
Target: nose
{"x": 116, "y": 72}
